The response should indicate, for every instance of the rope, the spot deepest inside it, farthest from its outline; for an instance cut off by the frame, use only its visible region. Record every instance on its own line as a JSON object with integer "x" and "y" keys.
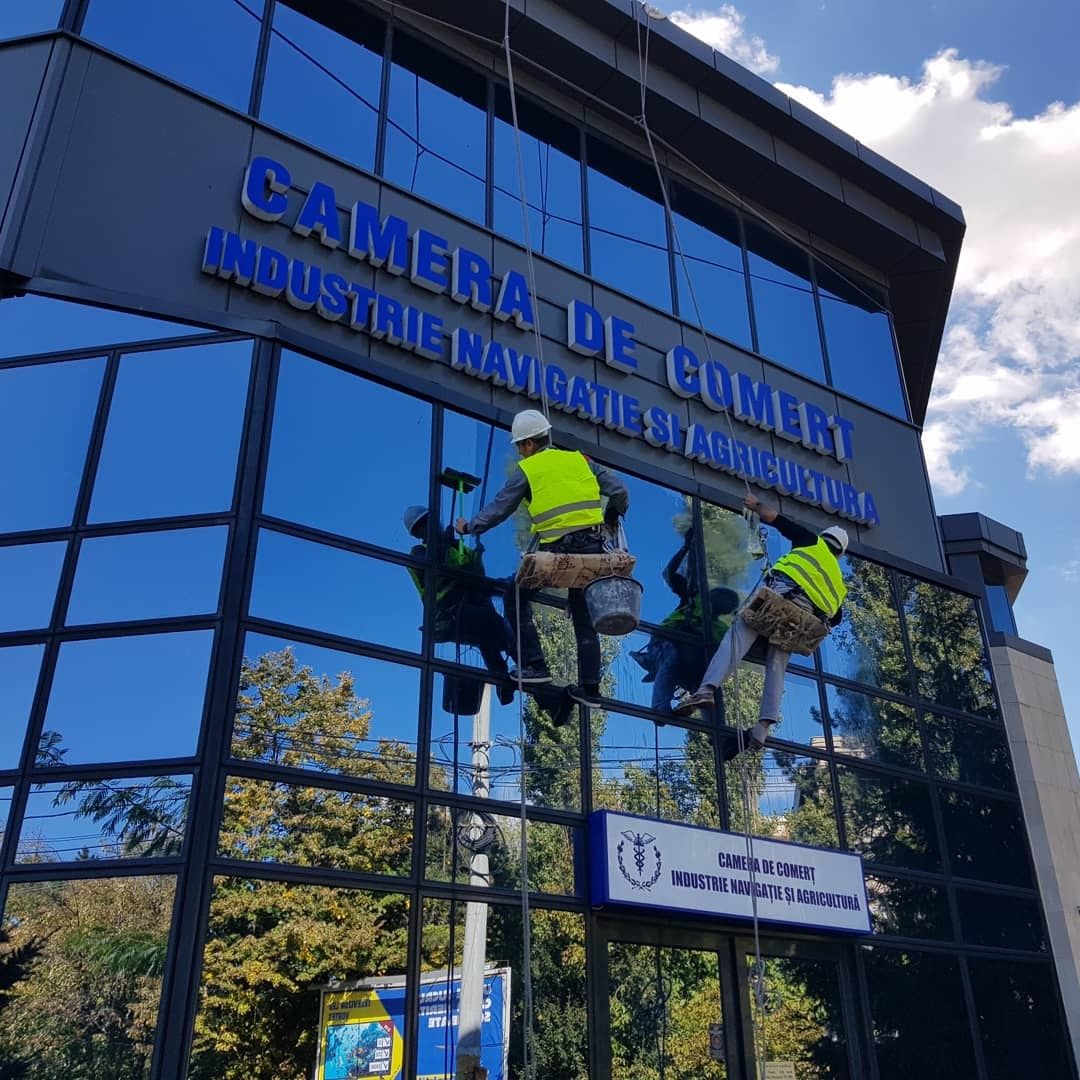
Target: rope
{"x": 527, "y": 1059}
{"x": 524, "y": 199}
{"x": 583, "y": 95}
{"x": 759, "y": 989}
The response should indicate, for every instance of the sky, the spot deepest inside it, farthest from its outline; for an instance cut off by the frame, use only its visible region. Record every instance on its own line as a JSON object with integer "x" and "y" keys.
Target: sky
{"x": 981, "y": 99}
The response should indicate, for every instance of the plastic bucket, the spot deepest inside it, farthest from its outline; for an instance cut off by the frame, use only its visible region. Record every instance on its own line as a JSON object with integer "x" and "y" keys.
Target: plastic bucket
{"x": 461, "y": 695}
{"x": 614, "y": 605}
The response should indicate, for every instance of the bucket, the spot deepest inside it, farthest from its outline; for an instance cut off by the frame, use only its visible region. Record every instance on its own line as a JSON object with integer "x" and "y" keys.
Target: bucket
{"x": 461, "y": 695}
{"x": 614, "y": 605}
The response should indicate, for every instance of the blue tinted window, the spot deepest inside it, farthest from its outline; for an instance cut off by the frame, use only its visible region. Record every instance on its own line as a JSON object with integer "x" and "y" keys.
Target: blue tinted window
{"x": 787, "y": 324}
{"x": 46, "y": 413}
{"x": 1001, "y": 612}
{"x": 550, "y": 157}
{"x": 28, "y": 577}
{"x": 859, "y": 340}
{"x": 173, "y": 433}
{"x": 115, "y": 818}
{"x": 347, "y": 455}
{"x": 485, "y": 451}
{"x": 335, "y": 591}
{"x": 323, "y": 84}
{"x": 340, "y": 713}
{"x": 17, "y": 19}
{"x": 627, "y": 232}
{"x": 39, "y": 324}
{"x": 709, "y": 235}
{"x": 205, "y": 44}
{"x": 151, "y": 575}
{"x": 436, "y": 136}
{"x": 5, "y": 809}
{"x": 19, "y": 667}
{"x": 126, "y": 698}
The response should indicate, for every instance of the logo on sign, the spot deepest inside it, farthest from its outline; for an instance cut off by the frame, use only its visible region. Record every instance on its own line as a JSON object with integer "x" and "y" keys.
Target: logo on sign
{"x": 639, "y": 842}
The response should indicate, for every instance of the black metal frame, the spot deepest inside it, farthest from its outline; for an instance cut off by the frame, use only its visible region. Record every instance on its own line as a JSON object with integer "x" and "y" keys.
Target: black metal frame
{"x": 198, "y": 863}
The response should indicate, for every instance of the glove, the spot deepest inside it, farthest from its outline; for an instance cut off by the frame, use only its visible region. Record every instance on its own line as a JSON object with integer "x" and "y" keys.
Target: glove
{"x": 611, "y": 518}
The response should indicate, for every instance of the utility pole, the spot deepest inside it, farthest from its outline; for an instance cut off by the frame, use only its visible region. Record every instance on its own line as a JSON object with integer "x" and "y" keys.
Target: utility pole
{"x": 474, "y": 948}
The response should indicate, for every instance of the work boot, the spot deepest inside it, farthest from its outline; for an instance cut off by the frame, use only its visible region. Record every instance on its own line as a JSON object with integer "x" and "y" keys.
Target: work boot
{"x": 702, "y": 698}
{"x": 759, "y": 734}
{"x": 505, "y": 693}
{"x": 530, "y": 674}
{"x": 586, "y": 694}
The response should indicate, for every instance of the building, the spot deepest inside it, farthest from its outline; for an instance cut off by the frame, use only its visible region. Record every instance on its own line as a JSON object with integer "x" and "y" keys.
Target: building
{"x": 261, "y": 282}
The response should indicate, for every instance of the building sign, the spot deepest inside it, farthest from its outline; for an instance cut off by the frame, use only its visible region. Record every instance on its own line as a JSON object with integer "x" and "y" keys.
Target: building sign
{"x": 393, "y": 247}
{"x": 667, "y": 867}
{"x": 362, "y": 1029}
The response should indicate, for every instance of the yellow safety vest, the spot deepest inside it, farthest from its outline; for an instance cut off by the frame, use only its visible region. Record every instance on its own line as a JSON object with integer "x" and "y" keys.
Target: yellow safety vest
{"x": 815, "y": 570}
{"x": 565, "y": 496}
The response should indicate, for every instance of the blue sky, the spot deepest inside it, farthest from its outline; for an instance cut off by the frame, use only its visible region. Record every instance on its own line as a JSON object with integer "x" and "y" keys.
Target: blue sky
{"x": 981, "y": 99}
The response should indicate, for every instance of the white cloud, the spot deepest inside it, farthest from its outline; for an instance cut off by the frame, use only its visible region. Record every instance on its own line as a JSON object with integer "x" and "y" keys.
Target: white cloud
{"x": 1011, "y": 354}
{"x": 723, "y": 29}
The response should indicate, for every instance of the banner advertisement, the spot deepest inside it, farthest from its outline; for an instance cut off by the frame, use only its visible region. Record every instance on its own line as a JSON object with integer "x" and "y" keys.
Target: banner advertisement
{"x": 362, "y": 1028}
{"x": 664, "y": 866}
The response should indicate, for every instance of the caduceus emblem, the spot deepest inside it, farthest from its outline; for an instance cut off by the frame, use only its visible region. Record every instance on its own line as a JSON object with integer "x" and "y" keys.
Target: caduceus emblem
{"x": 639, "y": 843}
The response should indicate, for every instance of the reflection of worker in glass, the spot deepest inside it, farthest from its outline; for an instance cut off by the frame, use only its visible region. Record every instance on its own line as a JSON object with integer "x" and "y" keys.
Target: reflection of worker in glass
{"x": 562, "y": 490}
{"x": 810, "y": 577}
{"x": 677, "y": 664}
{"x": 464, "y": 613}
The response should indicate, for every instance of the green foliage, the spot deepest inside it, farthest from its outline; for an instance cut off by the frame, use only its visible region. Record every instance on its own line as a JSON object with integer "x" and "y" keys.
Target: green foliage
{"x": 82, "y": 963}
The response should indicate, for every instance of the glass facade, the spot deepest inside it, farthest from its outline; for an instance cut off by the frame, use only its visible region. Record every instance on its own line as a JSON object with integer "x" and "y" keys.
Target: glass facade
{"x": 157, "y": 610}
{"x": 380, "y": 98}
{"x": 261, "y": 763}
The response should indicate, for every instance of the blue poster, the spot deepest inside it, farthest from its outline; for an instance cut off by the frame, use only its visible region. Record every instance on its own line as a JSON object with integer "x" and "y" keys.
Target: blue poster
{"x": 361, "y": 1030}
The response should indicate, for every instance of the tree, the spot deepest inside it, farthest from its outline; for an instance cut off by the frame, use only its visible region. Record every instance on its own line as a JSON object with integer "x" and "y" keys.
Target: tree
{"x": 84, "y": 961}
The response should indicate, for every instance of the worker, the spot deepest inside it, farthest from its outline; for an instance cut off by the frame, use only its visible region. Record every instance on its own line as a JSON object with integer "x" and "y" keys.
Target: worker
{"x": 464, "y": 612}
{"x": 562, "y": 490}
{"x": 671, "y": 663}
{"x": 810, "y": 577}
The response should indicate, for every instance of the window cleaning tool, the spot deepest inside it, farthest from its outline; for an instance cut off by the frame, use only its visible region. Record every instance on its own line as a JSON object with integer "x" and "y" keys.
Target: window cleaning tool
{"x": 462, "y": 695}
{"x": 462, "y": 483}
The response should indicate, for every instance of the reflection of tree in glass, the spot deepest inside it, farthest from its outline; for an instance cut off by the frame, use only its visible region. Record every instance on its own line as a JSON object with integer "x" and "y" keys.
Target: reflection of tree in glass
{"x": 287, "y": 715}
{"x": 80, "y": 977}
{"x": 662, "y": 1002}
{"x": 135, "y": 818}
{"x": 947, "y": 647}
{"x": 867, "y": 645}
{"x": 801, "y": 1021}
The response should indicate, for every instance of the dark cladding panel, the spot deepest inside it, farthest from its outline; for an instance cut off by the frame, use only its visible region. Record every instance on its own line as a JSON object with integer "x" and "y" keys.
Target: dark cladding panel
{"x": 145, "y": 171}
{"x": 888, "y": 462}
{"x": 22, "y": 69}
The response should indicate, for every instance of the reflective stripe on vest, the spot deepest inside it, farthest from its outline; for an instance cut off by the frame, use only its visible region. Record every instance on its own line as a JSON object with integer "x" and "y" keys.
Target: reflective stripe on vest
{"x": 815, "y": 570}
{"x": 564, "y": 494}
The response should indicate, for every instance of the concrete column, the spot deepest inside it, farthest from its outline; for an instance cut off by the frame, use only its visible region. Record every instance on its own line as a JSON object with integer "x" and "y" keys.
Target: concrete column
{"x": 1049, "y": 783}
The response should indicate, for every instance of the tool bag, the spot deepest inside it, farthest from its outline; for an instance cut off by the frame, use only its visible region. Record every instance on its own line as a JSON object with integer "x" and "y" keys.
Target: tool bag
{"x": 784, "y": 624}
{"x": 556, "y": 570}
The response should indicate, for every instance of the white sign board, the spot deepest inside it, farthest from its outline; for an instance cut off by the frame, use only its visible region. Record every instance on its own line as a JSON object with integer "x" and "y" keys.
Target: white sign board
{"x": 661, "y": 865}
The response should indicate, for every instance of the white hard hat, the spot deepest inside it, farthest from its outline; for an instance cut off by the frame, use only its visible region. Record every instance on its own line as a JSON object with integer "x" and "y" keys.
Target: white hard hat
{"x": 838, "y": 535}
{"x": 414, "y": 516}
{"x": 529, "y": 424}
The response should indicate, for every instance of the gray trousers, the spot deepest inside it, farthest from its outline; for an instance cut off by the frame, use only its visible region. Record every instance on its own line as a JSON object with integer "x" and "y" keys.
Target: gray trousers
{"x": 736, "y": 645}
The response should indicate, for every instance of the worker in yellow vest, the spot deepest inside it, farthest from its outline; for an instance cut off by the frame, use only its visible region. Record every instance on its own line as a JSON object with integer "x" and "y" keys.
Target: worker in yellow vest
{"x": 562, "y": 490}
{"x": 810, "y": 576}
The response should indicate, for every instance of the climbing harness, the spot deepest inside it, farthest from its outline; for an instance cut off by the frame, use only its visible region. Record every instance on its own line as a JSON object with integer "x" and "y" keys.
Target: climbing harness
{"x": 786, "y": 625}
